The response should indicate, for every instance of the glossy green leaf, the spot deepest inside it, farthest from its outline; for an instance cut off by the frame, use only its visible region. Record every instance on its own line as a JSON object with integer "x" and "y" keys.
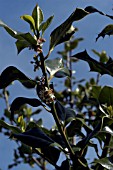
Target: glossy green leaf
{"x": 108, "y": 30}
{"x": 30, "y": 20}
{"x": 56, "y": 68}
{"x": 60, "y": 32}
{"x": 45, "y": 24}
{"x": 20, "y": 101}
{"x": 38, "y": 17}
{"x": 14, "y": 129}
{"x": 106, "y": 96}
{"x": 10, "y": 74}
{"x": 107, "y": 129}
{"x": 22, "y": 44}
{"x": 28, "y": 38}
{"x": 96, "y": 66}
{"x": 105, "y": 163}
{"x": 26, "y": 41}
{"x": 67, "y": 36}
{"x": 12, "y": 32}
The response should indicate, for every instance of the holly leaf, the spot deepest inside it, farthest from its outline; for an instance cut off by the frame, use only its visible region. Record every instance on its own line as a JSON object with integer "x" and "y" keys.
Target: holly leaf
{"x": 56, "y": 68}
{"x": 45, "y": 24}
{"x": 20, "y": 101}
{"x": 105, "y": 162}
{"x": 29, "y": 19}
{"x": 60, "y": 109}
{"x": 33, "y": 140}
{"x": 70, "y": 115}
{"x": 106, "y": 96}
{"x": 108, "y": 30}
{"x": 14, "y": 129}
{"x": 12, "y": 32}
{"x": 38, "y": 17}
{"x": 10, "y": 74}
{"x": 36, "y": 138}
{"x": 102, "y": 68}
{"x": 92, "y": 9}
{"x": 26, "y": 40}
{"x": 58, "y": 34}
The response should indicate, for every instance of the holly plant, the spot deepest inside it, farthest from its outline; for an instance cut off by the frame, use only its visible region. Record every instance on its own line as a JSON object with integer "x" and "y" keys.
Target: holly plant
{"x": 82, "y": 110}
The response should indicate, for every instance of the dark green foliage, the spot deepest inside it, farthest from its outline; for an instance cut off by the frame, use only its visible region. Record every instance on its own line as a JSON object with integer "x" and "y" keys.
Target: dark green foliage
{"x": 102, "y": 68}
{"x": 20, "y": 101}
{"x": 10, "y": 74}
{"x": 82, "y": 110}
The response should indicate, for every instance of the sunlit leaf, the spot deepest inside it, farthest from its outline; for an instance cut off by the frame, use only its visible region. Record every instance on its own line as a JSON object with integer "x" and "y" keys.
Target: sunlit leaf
{"x": 12, "y": 32}
{"x": 56, "y": 68}
{"x": 105, "y": 163}
{"x": 38, "y": 17}
{"x": 108, "y": 130}
{"x": 45, "y": 24}
{"x": 14, "y": 129}
{"x": 10, "y": 74}
{"x": 108, "y": 30}
{"x": 20, "y": 101}
{"x": 30, "y": 20}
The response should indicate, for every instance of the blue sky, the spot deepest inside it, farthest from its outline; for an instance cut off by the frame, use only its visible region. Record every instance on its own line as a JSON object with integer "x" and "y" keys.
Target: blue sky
{"x": 89, "y": 27}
